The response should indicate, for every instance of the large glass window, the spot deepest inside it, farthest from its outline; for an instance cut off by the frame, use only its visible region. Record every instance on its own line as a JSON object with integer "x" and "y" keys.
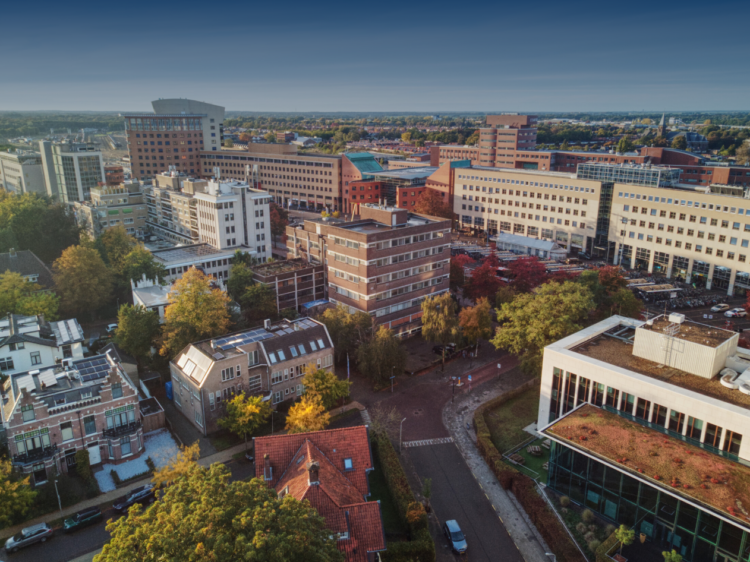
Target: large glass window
{"x": 713, "y": 435}
{"x": 583, "y": 389}
{"x": 676, "y": 421}
{"x": 732, "y": 442}
{"x": 687, "y": 517}
{"x": 642, "y": 409}
{"x": 659, "y": 415}
{"x": 66, "y": 429}
{"x": 570, "y": 392}
{"x": 116, "y": 390}
{"x": 89, "y": 425}
{"x": 597, "y": 396}
{"x": 695, "y": 427}
{"x": 612, "y": 397}
{"x": 730, "y": 539}
{"x": 27, "y": 412}
{"x": 627, "y": 403}
{"x": 708, "y": 528}
{"x": 125, "y": 446}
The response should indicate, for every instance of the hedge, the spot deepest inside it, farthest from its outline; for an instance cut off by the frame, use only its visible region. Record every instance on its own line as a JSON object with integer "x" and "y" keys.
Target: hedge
{"x": 421, "y": 547}
{"x": 523, "y": 487}
{"x": 602, "y": 553}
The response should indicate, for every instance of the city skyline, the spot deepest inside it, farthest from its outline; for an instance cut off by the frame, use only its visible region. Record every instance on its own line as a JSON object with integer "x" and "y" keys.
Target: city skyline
{"x": 394, "y": 57}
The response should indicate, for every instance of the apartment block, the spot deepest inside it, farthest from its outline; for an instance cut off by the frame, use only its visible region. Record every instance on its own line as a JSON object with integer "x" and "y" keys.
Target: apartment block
{"x": 172, "y": 207}
{"x": 308, "y": 181}
{"x": 22, "y": 172}
{"x": 174, "y": 135}
{"x": 112, "y": 206}
{"x": 269, "y": 361}
{"x": 646, "y": 422}
{"x": 385, "y": 264}
{"x": 296, "y": 282}
{"x": 210, "y": 260}
{"x": 85, "y": 404}
{"x": 71, "y": 170}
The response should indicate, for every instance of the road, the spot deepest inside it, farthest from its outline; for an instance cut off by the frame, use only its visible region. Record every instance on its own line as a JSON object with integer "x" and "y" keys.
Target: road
{"x": 457, "y": 495}
{"x": 62, "y": 547}
{"x": 718, "y": 320}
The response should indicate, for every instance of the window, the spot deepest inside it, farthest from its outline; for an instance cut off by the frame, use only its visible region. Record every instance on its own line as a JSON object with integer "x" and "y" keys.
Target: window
{"x": 36, "y": 358}
{"x": 211, "y": 403}
{"x": 27, "y": 412}
{"x": 732, "y": 442}
{"x": 348, "y": 465}
{"x": 17, "y": 346}
{"x": 66, "y": 428}
{"x": 125, "y": 446}
{"x": 198, "y": 417}
{"x": 116, "y": 390}
{"x": 313, "y": 346}
{"x": 6, "y": 364}
{"x": 89, "y": 425}
{"x": 67, "y": 351}
{"x": 302, "y": 350}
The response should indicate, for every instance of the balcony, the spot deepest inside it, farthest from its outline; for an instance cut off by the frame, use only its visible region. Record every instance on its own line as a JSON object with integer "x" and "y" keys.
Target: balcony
{"x": 35, "y": 455}
{"x": 122, "y": 430}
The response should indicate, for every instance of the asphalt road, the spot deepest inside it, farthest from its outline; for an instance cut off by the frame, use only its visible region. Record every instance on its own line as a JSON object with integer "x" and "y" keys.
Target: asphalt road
{"x": 62, "y": 547}
{"x": 718, "y": 320}
{"x": 457, "y": 495}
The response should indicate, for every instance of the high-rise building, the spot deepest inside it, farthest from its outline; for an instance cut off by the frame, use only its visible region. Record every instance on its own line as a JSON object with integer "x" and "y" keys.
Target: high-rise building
{"x": 112, "y": 206}
{"x": 174, "y": 135}
{"x": 71, "y": 170}
{"x": 22, "y": 172}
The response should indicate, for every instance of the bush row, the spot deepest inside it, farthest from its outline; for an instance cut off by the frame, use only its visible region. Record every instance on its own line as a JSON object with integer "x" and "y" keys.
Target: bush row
{"x": 602, "y": 553}
{"x": 421, "y": 547}
{"x": 523, "y": 487}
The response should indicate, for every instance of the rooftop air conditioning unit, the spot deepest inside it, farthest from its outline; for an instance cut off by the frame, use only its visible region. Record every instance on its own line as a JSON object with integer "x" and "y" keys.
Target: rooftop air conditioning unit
{"x": 267, "y": 324}
{"x": 676, "y": 318}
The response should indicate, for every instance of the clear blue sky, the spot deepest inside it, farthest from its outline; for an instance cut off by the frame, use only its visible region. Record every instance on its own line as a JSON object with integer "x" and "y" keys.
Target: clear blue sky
{"x": 378, "y": 56}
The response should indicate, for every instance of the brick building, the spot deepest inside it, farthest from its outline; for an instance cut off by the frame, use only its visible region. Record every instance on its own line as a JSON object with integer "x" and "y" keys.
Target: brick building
{"x": 111, "y": 206}
{"x": 295, "y": 281}
{"x": 114, "y": 175}
{"x": 385, "y": 264}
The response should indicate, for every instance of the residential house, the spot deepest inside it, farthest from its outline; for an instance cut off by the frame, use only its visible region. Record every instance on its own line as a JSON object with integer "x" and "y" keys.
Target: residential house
{"x": 30, "y": 267}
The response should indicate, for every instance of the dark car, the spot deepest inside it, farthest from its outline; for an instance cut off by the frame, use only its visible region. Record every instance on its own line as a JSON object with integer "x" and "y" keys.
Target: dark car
{"x": 82, "y": 519}
{"x": 584, "y": 256}
{"x": 450, "y": 348}
{"x": 455, "y": 536}
{"x": 143, "y": 495}
{"x": 27, "y": 536}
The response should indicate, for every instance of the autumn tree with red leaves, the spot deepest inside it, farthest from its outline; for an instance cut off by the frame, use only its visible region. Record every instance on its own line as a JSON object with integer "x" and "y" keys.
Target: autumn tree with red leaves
{"x": 458, "y": 279}
{"x": 432, "y": 204}
{"x": 611, "y": 278}
{"x": 526, "y": 273}
{"x": 484, "y": 281}
{"x": 279, "y": 219}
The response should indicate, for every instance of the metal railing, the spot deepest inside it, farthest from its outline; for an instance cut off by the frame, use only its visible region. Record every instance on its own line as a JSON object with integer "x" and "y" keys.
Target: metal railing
{"x": 35, "y": 455}
{"x": 122, "y": 429}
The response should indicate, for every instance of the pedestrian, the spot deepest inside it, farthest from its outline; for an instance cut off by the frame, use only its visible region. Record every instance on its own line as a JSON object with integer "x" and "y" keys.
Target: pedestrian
{"x": 464, "y": 354}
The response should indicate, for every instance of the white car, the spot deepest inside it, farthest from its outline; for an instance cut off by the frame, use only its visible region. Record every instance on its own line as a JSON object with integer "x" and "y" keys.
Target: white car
{"x": 736, "y": 313}
{"x": 111, "y": 328}
{"x": 720, "y": 308}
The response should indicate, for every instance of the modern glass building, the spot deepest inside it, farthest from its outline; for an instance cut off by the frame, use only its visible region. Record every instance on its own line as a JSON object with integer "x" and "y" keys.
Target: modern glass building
{"x": 632, "y": 174}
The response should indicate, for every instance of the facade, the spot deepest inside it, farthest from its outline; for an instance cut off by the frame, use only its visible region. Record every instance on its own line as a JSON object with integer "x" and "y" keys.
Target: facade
{"x": 30, "y": 267}
{"x": 174, "y": 135}
{"x": 268, "y": 361}
{"x": 329, "y": 469}
{"x": 296, "y": 282}
{"x": 385, "y": 264}
{"x": 71, "y": 170}
{"x": 22, "y": 172}
{"x": 111, "y": 206}
{"x": 55, "y": 411}
{"x": 205, "y": 257}
{"x": 29, "y": 342}
{"x": 114, "y": 175}
{"x": 543, "y": 249}
{"x": 678, "y": 389}
{"x": 151, "y": 295}
{"x": 172, "y": 209}
{"x": 309, "y": 181}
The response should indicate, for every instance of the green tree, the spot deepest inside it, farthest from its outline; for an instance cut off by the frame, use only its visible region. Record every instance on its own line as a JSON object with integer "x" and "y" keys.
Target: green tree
{"x": 8, "y": 240}
{"x": 139, "y": 262}
{"x": 672, "y": 556}
{"x": 565, "y": 145}
{"x": 624, "y": 536}
{"x": 245, "y": 414}
{"x": 326, "y": 385}
{"x": 258, "y": 303}
{"x": 534, "y": 320}
{"x": 347, "y": 330}
{"x": 196, "y": 312}
{"x": 203, "y": 517}
{"x": 16, "y": 496}
{"x": 679, "y": 142}
{"x": 82, "y": 280}
{"x": 476, "y": 321}
{"x": 20, "y": 296}
{"x": 228, "y": 143}
{"x": 270, "y": 137}
{"x": 439, "y": 322}
{"x": 625, "y": 145}
{"x": 240, "y": 278}
{"x": 308, "y": 414}
{"x": 137, "y": 331}
{"x": 406, "y": 137}
{"x": 742, "y": 154}
{"x": 114, "y": 245}
{"x": 381, "y": 357}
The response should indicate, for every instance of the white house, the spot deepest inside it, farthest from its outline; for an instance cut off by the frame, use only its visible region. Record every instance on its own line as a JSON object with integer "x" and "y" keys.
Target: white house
{"x": 30, "y": 342}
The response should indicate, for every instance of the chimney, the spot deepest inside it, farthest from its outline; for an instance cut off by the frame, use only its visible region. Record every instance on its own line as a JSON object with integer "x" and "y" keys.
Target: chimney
{"x": 13, "y": 252}
{"x": 313, "y": 473}
{"x": 267, "y": 468}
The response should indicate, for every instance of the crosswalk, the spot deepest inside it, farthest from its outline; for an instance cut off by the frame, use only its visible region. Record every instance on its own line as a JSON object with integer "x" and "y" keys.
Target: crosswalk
{"x": 424, "y": 442}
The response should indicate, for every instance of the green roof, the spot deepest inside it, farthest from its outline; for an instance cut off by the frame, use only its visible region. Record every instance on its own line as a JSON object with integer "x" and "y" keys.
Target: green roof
{"x": 364, "y": 162}
{"x": 461, "y": 164}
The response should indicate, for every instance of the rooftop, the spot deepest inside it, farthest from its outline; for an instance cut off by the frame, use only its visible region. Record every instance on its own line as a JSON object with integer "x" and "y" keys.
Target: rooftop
{"x": 34, "y": 329}
{"x": 26, "y": 263}
{"x": 527, "y": 172}
{"x": 192, "y": 252}
{"x": 280, "y": 267}
{"x": 682, "y": 470}
{"x": 406, "y": 173}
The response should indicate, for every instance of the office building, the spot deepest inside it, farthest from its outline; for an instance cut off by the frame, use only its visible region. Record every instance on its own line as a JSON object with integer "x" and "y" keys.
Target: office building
{"x": 296, "y": 282}
{"x": 112, "y": 206}
{"x": 114, "y": 175}
{"x": 71, "y": 170}
{"x": 174, "y": 135}
{"x": 399, "y": 188}
{"x": 269, "y": 361}
{"x": 647, "y": 423}
{"x": 307, "y": 181}
{"x": 172, "y": 206}
{"x": 385, "y": 264}
{"x": 210, "y": 260}
{"x": 22, "y": 172}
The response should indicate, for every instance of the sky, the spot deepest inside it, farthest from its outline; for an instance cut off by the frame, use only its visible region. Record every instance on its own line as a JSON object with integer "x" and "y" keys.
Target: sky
{"x": 385, "y": 56}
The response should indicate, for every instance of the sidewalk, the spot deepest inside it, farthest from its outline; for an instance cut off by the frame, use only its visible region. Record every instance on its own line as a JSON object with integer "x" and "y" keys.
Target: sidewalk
{"x": 221, "y": 457}
{"x": 455, "y": 417}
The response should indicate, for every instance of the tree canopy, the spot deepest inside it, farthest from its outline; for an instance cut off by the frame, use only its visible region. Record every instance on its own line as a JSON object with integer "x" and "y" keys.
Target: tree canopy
{"x": 326, "y": 385}
{"x": 139, "y": 262}
{"x": 432, "y": 204}
{"x": 476, "y": 321}
{"x": 484, "y": 281}
{"x": 245, "y": 414}
{"x": 347, "y": 330}
{"x": 16, "y": 496}
{"x": 137, "y": 330}
{"x": 258, "y": 303}
{"x": 381, "y": 357}
{"x": 20, "y": 296}
{"x": 526, "y": 273}
{"x": 439, "y": 321}
{"x": 309, "y": 414}
{"x": 82, "y": 280}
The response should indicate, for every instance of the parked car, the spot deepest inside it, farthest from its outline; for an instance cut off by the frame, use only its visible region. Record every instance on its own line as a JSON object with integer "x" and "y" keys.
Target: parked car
{"x": 82, "y": 519}
{"x": 30, "y": 535}
{"x": 736, "y": 313}
{"x": 450, "y": 348}
{"x": 111, "y": 328}
{"x": 720, "y": 308}
{"x": 584, "y": 256}
{"x": 142, "y": 494}
{"x": 455, "y": 536}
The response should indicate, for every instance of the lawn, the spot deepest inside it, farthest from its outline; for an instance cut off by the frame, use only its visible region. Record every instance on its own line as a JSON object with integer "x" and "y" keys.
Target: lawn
{"x": 506, "y": 422}
{"x": 535, "y": 463}
{"x": 379, "y": 491}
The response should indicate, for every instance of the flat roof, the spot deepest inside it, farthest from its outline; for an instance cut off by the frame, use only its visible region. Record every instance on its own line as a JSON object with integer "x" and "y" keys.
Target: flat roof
{"x": 685, "y": 471}
{"x": 528, "y": 172}
{"x": 185, "y": 253}
{"x": 282, "y": 266}
{"x": 406, "y": 173}
{"x": 371, "y": 226}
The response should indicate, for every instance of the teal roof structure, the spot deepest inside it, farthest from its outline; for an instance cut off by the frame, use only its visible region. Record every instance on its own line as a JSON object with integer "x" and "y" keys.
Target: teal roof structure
{"x": 364, "y": 162}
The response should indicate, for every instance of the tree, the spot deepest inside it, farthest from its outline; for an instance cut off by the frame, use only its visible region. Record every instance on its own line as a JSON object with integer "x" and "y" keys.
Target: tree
{"x": 196, "y": 312}
{"x": 82, "y": 280}
{"x": 406, "y": 137}
{"x": 534, "y": 320}
{"x": 179, "y": 466}
{"x": 625, "y": 303}
{"x": 308, "y": 414}
{"x": 382, "y": 357}
{"x": 476, "y": 321}
{"x": 742, "y": 155}
{"x": 679, "y": 142}
{"x": 624, "y": 536}
{"x": 504, "y": 294}
{"x": 457, "y": 275}
{"x": 139, "y": 262}
{"x": 347, "y": 330}
{"x": 270, "y": 137}
{"x": 384, "y": 421}
{"x": 439, "y": 322}
{"x": 258, "y": 303}
{"x": 473, "y": 139}
{"x": 16, "y": 496}
{"x": 228, "y": 143}
{"x": 245, "y": 414}
{"x": 484, "y": 281}
{"x": 114, "y": 245}
{"x": 625, "y": 145}
{"x": 526, "y": 273}
{"x": 137, "y": 330}
{"x": 244, "y": 258}
{"x": 611, "y": 278}
{"x": 20, "y": 296}
{"x": 325, "y": 385}
{"x": 204, "y": 517}
{"x": 565, "y": 145}
{"x": 240, "y": 278}
{"x": 673, "y": 556}
{"x": 279, "y": 218}
{"x": 432, "y": 204}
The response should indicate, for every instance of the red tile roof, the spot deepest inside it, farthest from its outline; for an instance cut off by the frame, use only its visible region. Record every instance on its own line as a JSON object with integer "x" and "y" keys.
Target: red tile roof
{"x": 340, "y": 494}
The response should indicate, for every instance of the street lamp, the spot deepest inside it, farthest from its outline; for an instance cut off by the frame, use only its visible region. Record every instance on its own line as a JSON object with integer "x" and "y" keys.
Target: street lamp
{"x": 59, "y": 503}
{"x": 400, "y": 430}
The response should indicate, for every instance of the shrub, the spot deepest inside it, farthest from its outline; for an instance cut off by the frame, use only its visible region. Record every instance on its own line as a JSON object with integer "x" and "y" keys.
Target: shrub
{"x": 581, "y": 527}
{"x": 115, "y": 477}
{"x": 608, "y": 530}
{"x": 150, "y": 464}
{"x": 593, "y": 528}
{"x": 589, "y": 536}
{"x": 587, "y": 516}
{"x": 593, "y": 545}
{"x": 564, "y": 501}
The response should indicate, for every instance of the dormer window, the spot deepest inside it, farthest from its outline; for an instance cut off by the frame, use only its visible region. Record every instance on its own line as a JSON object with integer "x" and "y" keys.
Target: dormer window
{"x": 86, "y": 394}
{"x": 27, "y": 412}
{"x": 348, "y": 465}
{"x": 116, "y": 390}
